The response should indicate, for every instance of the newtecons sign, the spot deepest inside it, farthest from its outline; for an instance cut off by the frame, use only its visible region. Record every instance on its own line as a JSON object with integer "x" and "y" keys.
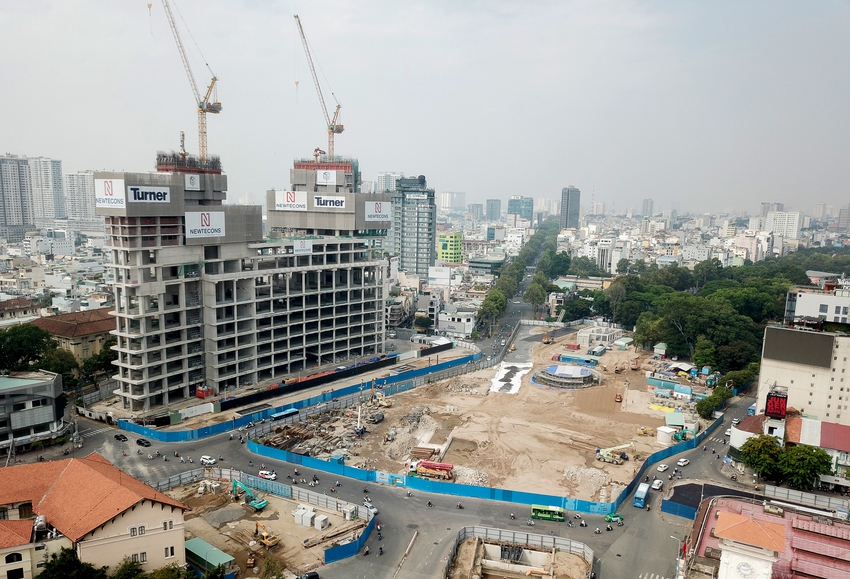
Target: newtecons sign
{"x": 109, "y": 194}
{"x": 204, "y": 224}
{"x": 377, "y": 211}
{"x": 290, "y": 200}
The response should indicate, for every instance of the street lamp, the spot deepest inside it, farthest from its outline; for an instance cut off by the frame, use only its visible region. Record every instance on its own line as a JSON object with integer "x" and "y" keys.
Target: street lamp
{"x": 678, "y": 554}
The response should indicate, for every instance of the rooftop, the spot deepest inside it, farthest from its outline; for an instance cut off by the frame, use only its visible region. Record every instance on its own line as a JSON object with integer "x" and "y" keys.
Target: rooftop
{"x": 28, "y": 379}
{"x": 76, "y": 324}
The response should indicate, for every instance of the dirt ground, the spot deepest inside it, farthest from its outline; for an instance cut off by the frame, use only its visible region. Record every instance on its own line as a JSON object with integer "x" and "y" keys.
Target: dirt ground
{"x": 230, "y": 525}
{"x": 537, "y": 440}
{"x": 567, "y": 566}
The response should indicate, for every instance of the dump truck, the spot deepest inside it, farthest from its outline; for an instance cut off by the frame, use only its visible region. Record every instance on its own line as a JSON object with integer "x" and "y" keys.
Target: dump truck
{"x": 429, "y": 469}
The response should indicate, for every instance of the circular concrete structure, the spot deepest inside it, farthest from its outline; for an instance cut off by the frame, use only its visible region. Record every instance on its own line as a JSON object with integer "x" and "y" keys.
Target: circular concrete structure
{"x": 564, "y": 376}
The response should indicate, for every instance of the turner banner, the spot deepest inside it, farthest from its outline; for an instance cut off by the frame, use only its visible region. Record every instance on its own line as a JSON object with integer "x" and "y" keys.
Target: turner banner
{"x": 377, "y": 211}
{"x": 205, "y": 224}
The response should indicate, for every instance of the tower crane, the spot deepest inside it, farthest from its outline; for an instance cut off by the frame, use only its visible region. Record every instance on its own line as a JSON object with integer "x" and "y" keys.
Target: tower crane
{"x": 204, "y": 104}
{"x": 334, "y": 128}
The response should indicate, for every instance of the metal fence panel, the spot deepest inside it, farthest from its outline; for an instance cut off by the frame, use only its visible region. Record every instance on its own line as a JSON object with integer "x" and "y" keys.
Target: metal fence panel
{"x": 678, "y": 509}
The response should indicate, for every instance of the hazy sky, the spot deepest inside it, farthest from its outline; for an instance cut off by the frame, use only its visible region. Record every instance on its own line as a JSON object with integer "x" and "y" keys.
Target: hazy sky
{"x": 716, "y": 105}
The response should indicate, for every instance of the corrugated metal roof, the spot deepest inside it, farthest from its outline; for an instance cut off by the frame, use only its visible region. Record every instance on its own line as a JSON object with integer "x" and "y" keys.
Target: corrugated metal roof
{"x": 810, "y": 432}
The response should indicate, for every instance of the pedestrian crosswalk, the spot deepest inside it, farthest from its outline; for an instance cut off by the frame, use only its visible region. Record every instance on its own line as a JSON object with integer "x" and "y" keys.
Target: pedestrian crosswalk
{"x": 717, "y": 439}
{"x": 652, "y": 576}
{"x": 90, "y": 433}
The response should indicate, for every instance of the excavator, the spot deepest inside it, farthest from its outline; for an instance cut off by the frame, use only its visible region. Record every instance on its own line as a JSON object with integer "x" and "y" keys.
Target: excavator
{"x": 609, "y": 454}
{"x": 381, "y": 400}
{"x": 256, "y": 503}
{"x": 266, "y": 538}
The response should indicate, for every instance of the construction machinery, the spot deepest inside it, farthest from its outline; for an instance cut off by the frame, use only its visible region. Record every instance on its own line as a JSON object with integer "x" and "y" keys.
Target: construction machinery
{"x": 635, "y": 365}
{"x": 429, "y": 469}
{"x": 266, "y": 538}
{"x": 205, "y": 105}
{"x": 255, "y": 503}
{"x": 610, "y": 454}
{"x": 381, "y": 400}
{"x": 683, "y": 435}
{"x": 547, "y": 339}
{"x": 644, "y": 431}
{"x": 334, "y": 127}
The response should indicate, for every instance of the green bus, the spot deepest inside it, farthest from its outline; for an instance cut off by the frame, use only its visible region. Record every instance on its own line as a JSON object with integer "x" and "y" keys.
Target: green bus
{"x": 548, "y": 513}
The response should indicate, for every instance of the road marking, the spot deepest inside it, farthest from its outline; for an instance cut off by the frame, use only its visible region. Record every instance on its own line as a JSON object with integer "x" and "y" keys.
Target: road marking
{"x": 90, "y": 433}
{"x": 651, "y": 576}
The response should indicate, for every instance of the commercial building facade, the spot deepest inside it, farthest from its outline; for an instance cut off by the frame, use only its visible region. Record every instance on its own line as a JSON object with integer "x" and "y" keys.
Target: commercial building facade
{"x": 48, "y": 195}
{"x": 413, "y": 235}
{"x": 570, "y": 204}
{"x": 205, "y": 303}
{"x": 32, "y": 407}
{"x": 16, "y": 211}
{"x": 450, "y": 247}
{"x": 522, "y": 206}
{"x": 493, "y": 209}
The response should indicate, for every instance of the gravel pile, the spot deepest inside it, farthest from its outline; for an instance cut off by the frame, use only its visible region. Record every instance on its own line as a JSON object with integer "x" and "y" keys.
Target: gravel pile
{"x": 469, "y": 476}
{"x": 583, "y": 477}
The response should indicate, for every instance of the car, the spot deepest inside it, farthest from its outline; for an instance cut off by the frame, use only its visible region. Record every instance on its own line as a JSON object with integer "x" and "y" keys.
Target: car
{"x": 309, "y": 575}
{"x": 143, "y": 442}
{"x": 612, "y": 517}
{"x": 517, "y": 302}
{"x": 268, "y": 475}
{"x": 657, "y": 484}
{"x": 503, "y": 342}
{"x": 207, "y": 460}
{"x": 489, "y": 358}
{"x": 735, "y": 421}
{"x": 618, "y": 398}
{"x": 683, "y": 462}
{"x": 120, "y": 438}
{"x": 372, "y": 508}
{"x": 728, "y": 432}
{"x": 662, "y": 467}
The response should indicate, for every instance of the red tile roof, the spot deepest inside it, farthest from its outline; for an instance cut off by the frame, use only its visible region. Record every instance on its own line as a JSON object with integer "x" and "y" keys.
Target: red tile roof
{"x": 76, "y": 324}
{"x": 835, "y": 436}
{"x": 793, "y": 428}
{"x": 752, "y": 424}
{"x": 750, "y": 531}
{"x": 17, "y": 304}
{"x": 14, "y": 533}
{"x": 77, "y": 495}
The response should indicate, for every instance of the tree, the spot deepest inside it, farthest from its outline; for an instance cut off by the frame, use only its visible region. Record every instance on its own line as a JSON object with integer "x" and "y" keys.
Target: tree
{"x": 217, "y": 573}
{"x": 703, "y": 352}
{"x": 272, "y": 569}
{"x": 802, "y": 465}
{"x": 534, "y": 295}
{"x": 100, "y": 365}
{"x": 761, "y": 453}
{"x": 128, "y": 569}
{"x": 66, "y": 565}
{"x": 705, "y": 407}
{"x": 423, "y": 322}
{"x": 23, "y": 344}
{"x": 623, "y": 266}
{"x": 708, "y": 270}
{"x": 61, "y": 362}
{"x": 735, "y": 356}
{"x": 171, "y": 572}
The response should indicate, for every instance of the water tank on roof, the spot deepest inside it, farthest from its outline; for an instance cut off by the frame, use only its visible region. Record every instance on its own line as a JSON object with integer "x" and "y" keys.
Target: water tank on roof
{"x": 40, "y": 523}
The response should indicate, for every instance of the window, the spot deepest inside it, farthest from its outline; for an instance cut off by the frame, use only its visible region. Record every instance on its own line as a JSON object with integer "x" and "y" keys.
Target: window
{"x": 132, "y": 531}
{"x": 14, "y": 558}
{"x": 164, "y": 525}
{"x": 143, "y": 557}
{"x": 135, "y": 558}
{"x": 15, "y": 574}
{"x": 824, "y": 308}
{"x": 169, "y": 552}
{"x": 837, "y": 309}
{"x": 4, "y": 513}
{"x": 142, "y": 530}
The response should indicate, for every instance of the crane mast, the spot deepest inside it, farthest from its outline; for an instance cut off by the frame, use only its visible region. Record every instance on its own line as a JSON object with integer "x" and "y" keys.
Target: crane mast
{"x": 334, "y": 128}
{"x": 204, "y": 104}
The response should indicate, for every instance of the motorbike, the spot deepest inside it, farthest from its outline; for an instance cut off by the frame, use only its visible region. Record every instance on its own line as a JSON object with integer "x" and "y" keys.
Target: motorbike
{"x": 570, "y": 524}
{"x": 648, "y": 508}
{"x": 513, "y": 517}
{"x": 150, "y": 456}
{"x": 576, "y": 516}
{"x": 366, "y": 550}
{"x": 619, "y": 522}
{"x": 609, "y": 528}
{"x": 380, "y": 550}
{"x": 734, "y": 477}
{"x": 582, "y": 524}
{"x": 530, "y": 523}
{"x": 460, "y": 506}
{"x": 597, "y": 531}
{"x": 409, "y": 494}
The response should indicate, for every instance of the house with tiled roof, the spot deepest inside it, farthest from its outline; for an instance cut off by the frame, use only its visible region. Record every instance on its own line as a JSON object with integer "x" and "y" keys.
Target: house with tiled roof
{"x": 18, "y": 311}
{"x": 91, "y": 506}
{"x": 81, "y": 333}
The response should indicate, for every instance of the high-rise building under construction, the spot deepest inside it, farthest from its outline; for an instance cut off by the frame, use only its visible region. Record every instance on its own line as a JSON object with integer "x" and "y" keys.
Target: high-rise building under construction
{"x": 205, "y": 303}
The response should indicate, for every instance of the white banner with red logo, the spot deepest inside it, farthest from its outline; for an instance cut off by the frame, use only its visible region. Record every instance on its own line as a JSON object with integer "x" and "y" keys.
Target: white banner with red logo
{"x": 377, "y": 211}
{"x": 205, "y": 224}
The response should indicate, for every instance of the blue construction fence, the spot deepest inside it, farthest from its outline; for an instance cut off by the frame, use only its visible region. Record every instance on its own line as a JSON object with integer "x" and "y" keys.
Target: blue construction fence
{"x": 678, "y": 509}
{"x": 347, "y": 550}
{"x": 324, "y": 397}
{"x": 665, "y": 453}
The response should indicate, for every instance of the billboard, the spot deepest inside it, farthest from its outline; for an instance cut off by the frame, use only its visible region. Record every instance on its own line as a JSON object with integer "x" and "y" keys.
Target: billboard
{"x": 290, "y": 200}
{"x": 204, "y": 224}
{"x": 326, "y": 177}
{"x": 328, "y": 201}
{"x": 192, "y": 182}
{"x": 303, "y": 246}
{"x": 109, "y": 194}
{"x": 776, "y": 405}
{"x": 377, "y": 211}
{"x": 146, "y": 194}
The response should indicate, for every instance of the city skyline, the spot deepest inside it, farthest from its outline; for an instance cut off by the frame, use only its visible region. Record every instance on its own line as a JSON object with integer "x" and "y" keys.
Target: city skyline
{"x": 685, "y": 104}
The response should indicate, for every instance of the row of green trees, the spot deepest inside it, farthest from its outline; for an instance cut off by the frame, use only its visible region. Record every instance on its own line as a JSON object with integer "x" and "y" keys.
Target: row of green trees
{"x": 66, "y": 565}
{"x": 800, "y": 466}
{"x": 28, "y": 347}
{"x": 706, "y": 406}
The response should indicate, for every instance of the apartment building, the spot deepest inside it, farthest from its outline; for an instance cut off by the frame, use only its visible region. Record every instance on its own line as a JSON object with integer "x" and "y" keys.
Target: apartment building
{"x": 90, "y": 506}
{"x": 204, "y": 301}
{"x": 830, "y": 303}
{"x": 413, "y": 235}
{"x": 32, "y": 407}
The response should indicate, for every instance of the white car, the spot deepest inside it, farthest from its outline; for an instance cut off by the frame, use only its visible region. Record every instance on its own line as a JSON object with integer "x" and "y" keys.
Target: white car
{"x": 372, "y": 508}
{"x": 683, "y": 462}
{"x": 662, "y": 467}
{"x": 728, "y": 432}
{"x": 517, "y": 302}
{"x": 735, "y": 421}
{"x": 207, "y": 460}
{"x": 267, "y": 474}
{"x": 657, "y": 484}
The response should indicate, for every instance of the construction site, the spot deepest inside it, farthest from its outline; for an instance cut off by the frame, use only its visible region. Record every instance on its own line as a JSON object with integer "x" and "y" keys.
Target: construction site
{"x": 253, "y": 526}
{"x": 583, "y": 442}
{"x": 477, "y": 558}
